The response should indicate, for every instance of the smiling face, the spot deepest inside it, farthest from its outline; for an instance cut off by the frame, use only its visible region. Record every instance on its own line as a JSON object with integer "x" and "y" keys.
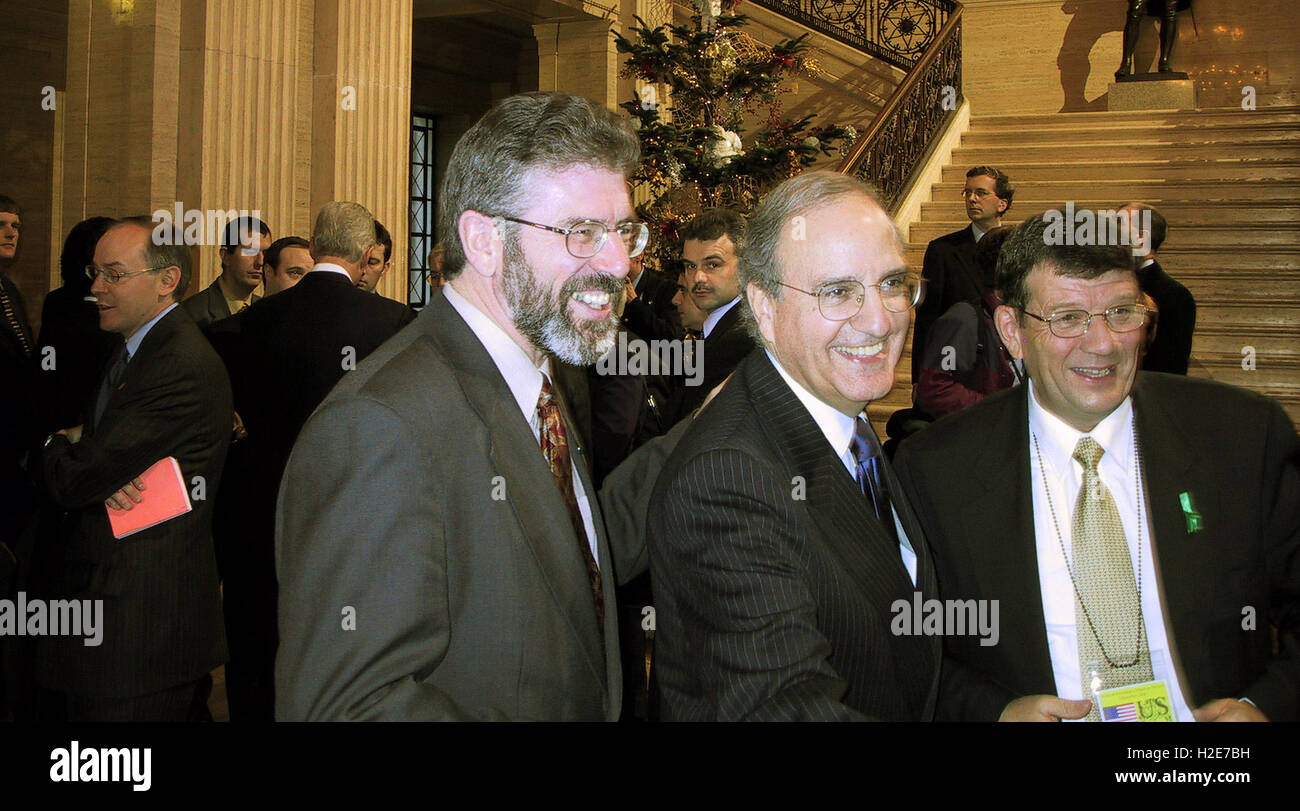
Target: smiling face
{"x": 10, "y": 225}
{"x": 845, "y": 364}
{"x": 561, "y": 303}
{"x": 1080, "y": 380}
{"x": 711, "y": 266}
{"x": 131, "y": 303}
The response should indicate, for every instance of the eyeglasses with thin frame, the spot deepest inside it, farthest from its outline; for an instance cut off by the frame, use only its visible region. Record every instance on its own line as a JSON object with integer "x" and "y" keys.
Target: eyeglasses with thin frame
{"x": 978, "y": 194}
{"x": 586, "y": 239}
{"x": 116, "y": 276}
{"x": 1074, "y": 323}
{"x": 840, "y": 301}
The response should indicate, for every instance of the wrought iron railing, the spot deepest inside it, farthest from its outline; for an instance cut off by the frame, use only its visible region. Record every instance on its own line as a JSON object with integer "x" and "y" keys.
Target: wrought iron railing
{"x": 892, "y": 149}
{"x": 897, "y": 31}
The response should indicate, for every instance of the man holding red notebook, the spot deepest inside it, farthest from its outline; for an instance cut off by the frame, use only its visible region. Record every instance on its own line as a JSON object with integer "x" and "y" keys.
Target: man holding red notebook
{"x": 164, "y": 394}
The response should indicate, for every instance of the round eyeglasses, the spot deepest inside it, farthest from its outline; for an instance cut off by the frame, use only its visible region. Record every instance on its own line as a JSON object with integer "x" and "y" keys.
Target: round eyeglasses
{"x": 585, "y": 239}
{"x": 116, "y": 276}
{"x": 840, "y": 301}
{"x": 1073, "y": 323}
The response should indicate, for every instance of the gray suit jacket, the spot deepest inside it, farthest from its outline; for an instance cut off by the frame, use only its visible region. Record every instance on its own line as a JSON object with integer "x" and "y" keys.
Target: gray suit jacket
{"x": 427, "y": 565}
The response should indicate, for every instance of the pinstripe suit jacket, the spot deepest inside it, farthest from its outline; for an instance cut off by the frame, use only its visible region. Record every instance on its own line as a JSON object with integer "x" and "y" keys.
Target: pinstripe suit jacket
{"x": 773, "y": 579}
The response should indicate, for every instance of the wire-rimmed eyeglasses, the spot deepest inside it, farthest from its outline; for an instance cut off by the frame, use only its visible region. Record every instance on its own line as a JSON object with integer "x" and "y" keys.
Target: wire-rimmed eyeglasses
{"x": 1073, "y": 323}
{"x": 585, "y": 239}
{"x": 840, "y": 301}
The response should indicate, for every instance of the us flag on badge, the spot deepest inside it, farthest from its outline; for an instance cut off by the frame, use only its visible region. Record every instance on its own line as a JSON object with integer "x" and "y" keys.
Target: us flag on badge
{"x": 1120, "y": 712}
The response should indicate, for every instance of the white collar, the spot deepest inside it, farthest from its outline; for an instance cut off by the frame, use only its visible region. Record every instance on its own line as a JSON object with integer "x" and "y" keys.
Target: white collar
{"x": 714, "y": 317}
{"x": 331, "y": 267}
{"x": 1057, "y": 439}
{"x": 835, "y": 425}
{"x": 522, "y": 376}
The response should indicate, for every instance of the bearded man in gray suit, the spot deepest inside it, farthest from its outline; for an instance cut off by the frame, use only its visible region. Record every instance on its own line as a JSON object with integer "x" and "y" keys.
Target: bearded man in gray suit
{"x": 441, "y": 549}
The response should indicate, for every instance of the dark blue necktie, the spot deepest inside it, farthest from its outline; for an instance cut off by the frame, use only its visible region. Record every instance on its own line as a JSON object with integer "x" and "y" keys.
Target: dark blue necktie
{"x": 870, "y": 473}
{"x": 114, "y": 376}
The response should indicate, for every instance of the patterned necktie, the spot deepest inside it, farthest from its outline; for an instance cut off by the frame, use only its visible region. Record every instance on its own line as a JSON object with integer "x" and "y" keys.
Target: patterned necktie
{"x": 1107, "y": 603}
{"x": 114, "y": 376}
{"x": 555, "y": 447}
{"x": 870, "y": 474}
{"x": 11, "y": 319}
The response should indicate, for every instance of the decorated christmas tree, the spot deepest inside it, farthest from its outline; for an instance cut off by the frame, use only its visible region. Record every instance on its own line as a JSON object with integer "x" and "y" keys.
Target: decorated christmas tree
{"x": 716, "y": 77}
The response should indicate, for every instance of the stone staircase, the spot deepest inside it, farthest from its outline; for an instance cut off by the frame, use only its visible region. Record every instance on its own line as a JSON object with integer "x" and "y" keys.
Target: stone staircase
{"x": 1228, "y": 182}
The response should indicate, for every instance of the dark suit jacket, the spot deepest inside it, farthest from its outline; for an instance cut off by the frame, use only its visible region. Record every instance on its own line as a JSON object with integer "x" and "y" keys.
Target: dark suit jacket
{"x": 1235, "y": 452}
{"x": 284, "y": 354}
{"x": 17, "y": 369}
{"x": 209, "y": 304}
{"x": 950, "y": 276}
{"x": 1172, "y": 348}
{"x": 417, "y": 498}
{"x": 652, "y": 314}
{"x": 726, "y": 346}
{"x": 773, "y": 579}
{"x": 162, "y": 611}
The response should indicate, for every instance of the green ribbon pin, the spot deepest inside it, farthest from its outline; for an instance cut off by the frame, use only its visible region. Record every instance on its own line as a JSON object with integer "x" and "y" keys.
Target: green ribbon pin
{"x": 1194, "y": 521}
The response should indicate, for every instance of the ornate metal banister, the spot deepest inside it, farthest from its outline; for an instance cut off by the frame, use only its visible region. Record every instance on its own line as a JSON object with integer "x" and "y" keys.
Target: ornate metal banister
{"x": 897, "y": 31}
{"x": 890, "y": 151}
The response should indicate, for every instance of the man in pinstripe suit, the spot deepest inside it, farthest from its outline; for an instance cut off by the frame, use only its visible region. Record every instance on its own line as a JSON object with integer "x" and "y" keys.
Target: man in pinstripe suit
{"x": 779, "y": 539}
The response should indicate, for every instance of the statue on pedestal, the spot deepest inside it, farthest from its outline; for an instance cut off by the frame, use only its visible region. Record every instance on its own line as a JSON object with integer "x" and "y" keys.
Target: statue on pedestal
{"x": 1167, "y": 12}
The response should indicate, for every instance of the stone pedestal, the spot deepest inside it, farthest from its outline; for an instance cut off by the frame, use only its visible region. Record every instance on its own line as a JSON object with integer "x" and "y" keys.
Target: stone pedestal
{"x": 1159, "y": 94}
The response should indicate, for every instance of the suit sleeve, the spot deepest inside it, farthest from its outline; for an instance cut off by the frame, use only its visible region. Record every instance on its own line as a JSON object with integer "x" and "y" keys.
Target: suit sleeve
{"x": 361, "y": 562}
{"x": 1277, "y": 692}
{"x": 728, "y": 537}
{"x": 933, "y": 268}
{"x": 625, "y": 501}
{"x": 156, "y": 416}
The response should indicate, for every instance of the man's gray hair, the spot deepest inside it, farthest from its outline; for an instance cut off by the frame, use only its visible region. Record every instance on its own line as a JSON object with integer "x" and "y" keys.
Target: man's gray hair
{"x": 532, "y": 130}
{"x": 344, "y": 230}
{"x": 769, "y": 222}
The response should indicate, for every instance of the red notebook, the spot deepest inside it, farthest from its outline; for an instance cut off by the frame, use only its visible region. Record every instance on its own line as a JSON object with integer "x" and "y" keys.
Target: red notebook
{"x": 164, "y": 497}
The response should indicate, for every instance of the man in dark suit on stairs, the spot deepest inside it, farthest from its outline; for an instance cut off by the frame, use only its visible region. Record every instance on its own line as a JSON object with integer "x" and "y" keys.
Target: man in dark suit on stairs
{"x": 949, "y": 267}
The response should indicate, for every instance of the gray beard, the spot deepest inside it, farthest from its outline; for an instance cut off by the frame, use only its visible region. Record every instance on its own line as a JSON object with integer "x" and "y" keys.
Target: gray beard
{"x": 545, "y": 322}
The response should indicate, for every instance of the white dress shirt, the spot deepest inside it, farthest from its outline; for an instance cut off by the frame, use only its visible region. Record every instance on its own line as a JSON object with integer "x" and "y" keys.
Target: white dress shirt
{"x": 838, "y": 430}
{"x": 714, "y": 317}
{"x": 525, "y": 382}
{"x": 1118, "y": 471}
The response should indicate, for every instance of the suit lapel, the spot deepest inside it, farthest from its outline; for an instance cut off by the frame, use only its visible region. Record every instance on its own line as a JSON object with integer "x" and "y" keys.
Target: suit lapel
{"x": 834, "y": 500}
{"x": 1005, "y": 550}
{"x": 540, "y": 512}
{"x": 1171, "y": 466}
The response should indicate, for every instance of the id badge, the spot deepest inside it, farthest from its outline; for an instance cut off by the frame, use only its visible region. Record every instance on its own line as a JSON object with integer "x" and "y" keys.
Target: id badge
{"x": 1148, "y": 701}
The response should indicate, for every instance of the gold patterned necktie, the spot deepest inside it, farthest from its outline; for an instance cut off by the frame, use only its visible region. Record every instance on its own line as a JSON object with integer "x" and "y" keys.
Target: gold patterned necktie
{"x": 1107, "y": 600}
{"x": 555, "y": 447}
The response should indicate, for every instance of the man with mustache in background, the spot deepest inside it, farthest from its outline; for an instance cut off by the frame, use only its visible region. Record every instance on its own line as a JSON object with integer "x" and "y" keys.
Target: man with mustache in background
{"x": 440, "y": 549}
{"x": 709, "y": 244}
